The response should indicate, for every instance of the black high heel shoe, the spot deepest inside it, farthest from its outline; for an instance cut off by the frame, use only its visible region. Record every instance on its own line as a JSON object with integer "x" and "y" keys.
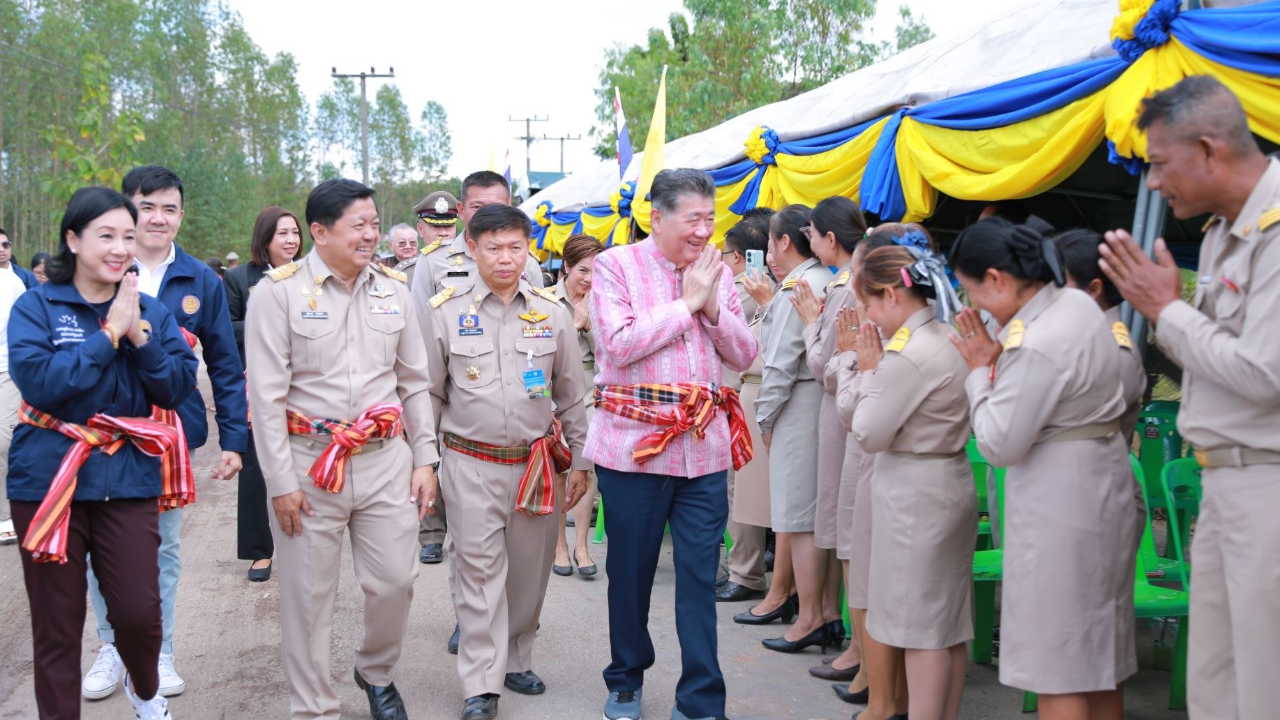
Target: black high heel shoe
{"x": 837, "y": 632}
{"x": 786, "y": 612}
{"x": 859, "y": 698}
{"x": 820, "y": 637}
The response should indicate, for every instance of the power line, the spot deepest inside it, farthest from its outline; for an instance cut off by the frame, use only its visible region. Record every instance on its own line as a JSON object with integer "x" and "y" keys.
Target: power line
{"x": 528, "y": 138}
{"x": 364, "y": 112}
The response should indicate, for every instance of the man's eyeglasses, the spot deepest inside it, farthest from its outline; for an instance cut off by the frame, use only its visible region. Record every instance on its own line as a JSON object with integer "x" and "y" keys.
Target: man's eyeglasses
{"x": 6, "y": 244}
{"x": 728, "y": 252}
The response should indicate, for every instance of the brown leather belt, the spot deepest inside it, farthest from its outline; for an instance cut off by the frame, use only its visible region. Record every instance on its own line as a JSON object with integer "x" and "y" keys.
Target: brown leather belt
{"x": 1236, "y": 457}
{"x": 1086, "y": 432}
{"x": 753, "y": 379}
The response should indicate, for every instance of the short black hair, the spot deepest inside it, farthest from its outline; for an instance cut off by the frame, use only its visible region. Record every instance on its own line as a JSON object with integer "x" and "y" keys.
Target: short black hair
{"x": 1023, "y": 251}
{"x": 841, "y": 216}
{"x": 331, "y": 198}
{"x": 746, "y": 235}
{"x": 87, "y": 205}
{"x": 147, "y": 179}
{"x": 39, "y": 259}
{"x": 484, "y": 179}
{"x": 791, "y": 222}
{"x": 493, "y": 218}
{"x": 1079, "y": 250}
{"x": 1198, "y": 106}
{"x": 669, "y": 185}
{"x": 1015, "y": 211}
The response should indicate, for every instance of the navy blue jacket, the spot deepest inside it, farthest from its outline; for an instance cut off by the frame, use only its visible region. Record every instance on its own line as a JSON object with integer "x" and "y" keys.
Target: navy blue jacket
{"x": 27, "y": 277}
{"x": 193, "y": 292}
{"x": 65, "y": 366}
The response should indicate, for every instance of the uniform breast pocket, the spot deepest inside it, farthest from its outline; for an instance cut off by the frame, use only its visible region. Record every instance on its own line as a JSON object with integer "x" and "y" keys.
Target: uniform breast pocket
{"x": 385, "y": 338}
{"x": 535, "y": 356}
{"x": 473, "y": 362}
{"x": 310, "y": 337}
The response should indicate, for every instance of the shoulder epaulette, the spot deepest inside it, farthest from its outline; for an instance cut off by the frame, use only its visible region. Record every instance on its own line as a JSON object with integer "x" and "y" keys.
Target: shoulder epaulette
{"x": 1121, "y": 333}
{"x": 283, "y": 272}
{"x": 438, "y": 299}
{"x": 403, "y": 264}
{"x": 393, "y": 274}
{"x": 1269, "y": 218}
{"x": 549, "y": 294}
{"x": 899, "y": 340}
{"x": 788, "y": 284}
{"x": 1014, "y": 338}
{"x": 427, "y": 250}
{"x": 844, "y": 278}
{"x": 1209, "y": 223}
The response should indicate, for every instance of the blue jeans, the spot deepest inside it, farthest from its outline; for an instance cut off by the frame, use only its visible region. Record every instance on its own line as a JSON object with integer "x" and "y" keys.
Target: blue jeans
{"x": 637, "y": 507}
{"x": 170, "y": 568}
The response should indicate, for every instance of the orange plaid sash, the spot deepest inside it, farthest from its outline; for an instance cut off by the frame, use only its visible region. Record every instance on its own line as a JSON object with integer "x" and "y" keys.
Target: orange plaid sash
{"x": 46, "y": 539}
{"x": 545, "y": 458}
{"x": 329, "y": 471}
{"x": 690, "y": 406}
{"x": 176, "y": 475}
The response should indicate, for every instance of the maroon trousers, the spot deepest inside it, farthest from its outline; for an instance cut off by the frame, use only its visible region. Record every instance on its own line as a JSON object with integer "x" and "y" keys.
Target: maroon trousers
{"x": 123, "y": 538}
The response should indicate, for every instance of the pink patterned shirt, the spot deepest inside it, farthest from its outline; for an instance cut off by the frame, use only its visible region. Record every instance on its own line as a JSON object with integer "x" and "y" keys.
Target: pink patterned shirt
{"x": 645, "y": 334}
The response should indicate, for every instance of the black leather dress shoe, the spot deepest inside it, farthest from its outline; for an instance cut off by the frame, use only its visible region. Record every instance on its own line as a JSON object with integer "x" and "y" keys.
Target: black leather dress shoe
{"x": 862, "y": 697}
{"x": 768, "y": 560}
{"x": 721, "y": 580}
{"x": 820, "y": 637}
{"x": 454, "y": 639}
{"x": 480, "y": 707}
{"x": 786, "y": 612}
{"x": 259, "y": 574}
{"x": 384, "y": 702}
{"x": 525, "y": 683}
{"x": 733, "y": 592}
{"x": 432, "y": 554}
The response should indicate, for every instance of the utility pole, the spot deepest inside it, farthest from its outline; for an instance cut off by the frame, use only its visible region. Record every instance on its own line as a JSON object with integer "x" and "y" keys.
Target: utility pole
{"x": 364, "y": 112}
{"x": 562, "y": 139}
{"x": 528, "y": 138}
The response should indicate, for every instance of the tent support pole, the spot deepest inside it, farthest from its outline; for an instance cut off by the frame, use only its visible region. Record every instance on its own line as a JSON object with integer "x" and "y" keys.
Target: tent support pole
{"x": 1153, "y": 230}
{"x": 1138, "y": 234}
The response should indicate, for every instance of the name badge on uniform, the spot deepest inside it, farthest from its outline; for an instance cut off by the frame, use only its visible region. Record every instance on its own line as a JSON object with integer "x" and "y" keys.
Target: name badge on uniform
{"x": 535, "y": 384}
{"x": 384, "y": 309}
{"x": 315, "y": 315}
{"x": 469, "y": 325}
{"x": 458, "y": 273}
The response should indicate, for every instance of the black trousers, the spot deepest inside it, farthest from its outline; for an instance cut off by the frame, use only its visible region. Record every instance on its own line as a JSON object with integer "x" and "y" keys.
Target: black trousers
{"x": 253, "y": 525}
{"x": 637, "y": 506}
{"x": 123, "y": 537}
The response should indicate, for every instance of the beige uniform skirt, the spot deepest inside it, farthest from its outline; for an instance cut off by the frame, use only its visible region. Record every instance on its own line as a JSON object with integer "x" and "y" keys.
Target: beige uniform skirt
{"x": 924, "y": 526}
{"x": 831, "y": 451}
{"x": 848, "y": 491}
{"x": 859, "y": 549}
{"x": 793, "y": 466}
{"x": 751, "y": 483}
{"x": 1071, "y": 531}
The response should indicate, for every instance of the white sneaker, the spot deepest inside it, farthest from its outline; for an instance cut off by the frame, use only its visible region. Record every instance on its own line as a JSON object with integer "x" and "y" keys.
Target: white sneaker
{"x": 104, "y": 676}
{"x": 157, "y": 708}
{"x": 170, "y": 682}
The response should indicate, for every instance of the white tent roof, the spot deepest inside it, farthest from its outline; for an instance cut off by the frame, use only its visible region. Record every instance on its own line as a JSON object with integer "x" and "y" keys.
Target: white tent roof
{"x": 1041, "y": 35}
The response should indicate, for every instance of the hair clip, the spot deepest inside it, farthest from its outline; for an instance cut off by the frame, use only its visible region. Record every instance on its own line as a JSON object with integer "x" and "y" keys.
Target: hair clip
{"x": 906, "y": 277}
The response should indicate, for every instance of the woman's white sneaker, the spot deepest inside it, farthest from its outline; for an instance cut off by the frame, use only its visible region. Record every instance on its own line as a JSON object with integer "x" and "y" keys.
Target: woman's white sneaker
{"x": 104, "y": 676}
{"x": 170, "y": 682}
{"x": 157, "y": 708}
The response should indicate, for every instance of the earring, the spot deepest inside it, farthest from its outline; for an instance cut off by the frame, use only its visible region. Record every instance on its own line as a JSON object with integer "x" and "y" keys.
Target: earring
{"x": 73, "y": 251}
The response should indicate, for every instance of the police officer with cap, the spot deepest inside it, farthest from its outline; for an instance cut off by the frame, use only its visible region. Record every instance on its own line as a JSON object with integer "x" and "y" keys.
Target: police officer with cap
{"x": 437, "y": 225}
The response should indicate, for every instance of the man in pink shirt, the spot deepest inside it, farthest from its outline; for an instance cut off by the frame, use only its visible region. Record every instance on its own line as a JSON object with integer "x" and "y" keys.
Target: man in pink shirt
{"x": 667, "y": 321}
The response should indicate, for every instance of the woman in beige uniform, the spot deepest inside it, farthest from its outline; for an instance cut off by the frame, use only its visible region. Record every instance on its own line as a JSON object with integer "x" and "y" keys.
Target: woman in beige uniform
{"x": 574, "y": 288}
{"x": 910, "y": 410}
{"x": 1046, "y": 404}
{"x": 1080, "y": 256}
{"x": 787, "y": 409}
{"x": 836, "y": 226}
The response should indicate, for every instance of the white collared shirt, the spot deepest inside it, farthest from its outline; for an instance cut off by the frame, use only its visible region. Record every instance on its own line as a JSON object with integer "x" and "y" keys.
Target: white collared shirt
{"x": 11, "y": 286}
{"x": 149, "y": 280}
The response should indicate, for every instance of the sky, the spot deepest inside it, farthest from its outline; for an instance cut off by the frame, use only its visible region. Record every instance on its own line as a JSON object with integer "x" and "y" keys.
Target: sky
{"x": 502, "y": 62}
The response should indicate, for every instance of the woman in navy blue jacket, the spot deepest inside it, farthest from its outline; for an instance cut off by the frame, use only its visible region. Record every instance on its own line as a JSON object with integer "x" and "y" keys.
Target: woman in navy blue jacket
{"x": 91, "y": 357}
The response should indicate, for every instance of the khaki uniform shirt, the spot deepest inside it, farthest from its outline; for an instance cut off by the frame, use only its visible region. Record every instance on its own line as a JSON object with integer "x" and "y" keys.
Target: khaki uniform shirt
{"x": 480, "y": 358}
{"x": 1227, "y": 341}
{"x": 351, "y": 351}
{"x": 915, "y": 401}
{"x": 820, "y": 335}
{"x": 451, "y": 264}
{"x": 782, "y": 340}
{"x": 749, "y": 309}
{"x": 1133, "y": 376}
{"x": 1060, "y": 372}
{"x": 586, "y": 339}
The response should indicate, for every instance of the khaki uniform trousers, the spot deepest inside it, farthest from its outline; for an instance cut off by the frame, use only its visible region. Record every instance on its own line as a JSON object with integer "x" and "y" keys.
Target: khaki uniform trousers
{"x": 500, "y": 564}
{"x": 1233, "y": 661}
{"x": 374, "y": 505}
{"x": 746, "y": 557}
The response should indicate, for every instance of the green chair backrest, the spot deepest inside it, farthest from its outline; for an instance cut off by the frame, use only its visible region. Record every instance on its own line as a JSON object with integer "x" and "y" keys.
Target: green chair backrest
{"x": 1158, "y": 444}
{"x": 1169, "y": 406}
{"x": 981, "y": 476}
{"x": 1147, "y": 547}
{"x": 1182, "y": 494}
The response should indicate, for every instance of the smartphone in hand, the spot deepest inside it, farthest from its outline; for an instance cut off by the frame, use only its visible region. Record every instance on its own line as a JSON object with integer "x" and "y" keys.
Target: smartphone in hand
{"x": 755, "y": 260}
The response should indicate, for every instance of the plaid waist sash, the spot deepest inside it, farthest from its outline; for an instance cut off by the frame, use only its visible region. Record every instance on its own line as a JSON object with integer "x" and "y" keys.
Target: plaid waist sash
{"x": 176, "y": 476}
{"x": 544, "y": 459}
{"x": 688, "y": 406}
{"x": 46, "y": 539}
{"x": 329, "y": 471}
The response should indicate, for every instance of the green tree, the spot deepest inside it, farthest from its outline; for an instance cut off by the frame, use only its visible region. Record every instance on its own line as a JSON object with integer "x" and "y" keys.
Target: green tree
{"x": 437, "y": 144}
{"x": 911, "y": 31}
{"x": 337, "y": 125}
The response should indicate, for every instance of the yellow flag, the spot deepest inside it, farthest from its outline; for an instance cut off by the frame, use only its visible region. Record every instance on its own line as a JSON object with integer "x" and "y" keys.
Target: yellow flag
{"x": 655, "y": 155}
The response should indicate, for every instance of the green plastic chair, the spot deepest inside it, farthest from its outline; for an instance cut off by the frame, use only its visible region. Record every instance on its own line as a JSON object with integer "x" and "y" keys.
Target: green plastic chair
{"x": 1158, "y": 444}
{"x": 1181, "y": 487}
{"x": 982, "y": 470}
{"x": 988, "y": 569}
{"x": 1150, "y": 602}
{"x": 1162, "y": 406}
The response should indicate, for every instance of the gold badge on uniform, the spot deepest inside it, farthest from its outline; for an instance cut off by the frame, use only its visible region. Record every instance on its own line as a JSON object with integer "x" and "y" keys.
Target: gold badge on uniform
{"x": 190, "y": 304}
{"x": 455, "y": 260}
{"x": 1121, "y": 333}
{"x": 473, "y": 372}
{"x": 145, "y": 325}
{"x": 380, "y": 291}
{"x": 533, "y": 316}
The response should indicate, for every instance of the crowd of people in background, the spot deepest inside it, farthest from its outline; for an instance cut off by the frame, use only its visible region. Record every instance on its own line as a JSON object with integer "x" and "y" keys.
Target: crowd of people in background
{"x": 811, "y": 385}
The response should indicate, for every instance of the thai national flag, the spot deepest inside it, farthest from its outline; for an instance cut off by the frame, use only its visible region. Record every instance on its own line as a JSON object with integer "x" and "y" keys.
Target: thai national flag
{"x": 620, "y": 129}
{"x": 507, "y": 163}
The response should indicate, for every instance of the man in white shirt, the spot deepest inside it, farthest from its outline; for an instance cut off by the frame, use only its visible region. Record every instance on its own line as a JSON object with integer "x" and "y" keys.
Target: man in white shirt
{"x": 11, "y": 286}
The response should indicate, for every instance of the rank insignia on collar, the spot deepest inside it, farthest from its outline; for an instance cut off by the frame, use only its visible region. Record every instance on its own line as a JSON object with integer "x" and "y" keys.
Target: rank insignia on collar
{"x": 1014, "y": 338}
{"x": 455, "y": 260}
{"x": 380, "y": 291}
{"x": 473, "y": 372}
{"x": 533, "y": 316}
